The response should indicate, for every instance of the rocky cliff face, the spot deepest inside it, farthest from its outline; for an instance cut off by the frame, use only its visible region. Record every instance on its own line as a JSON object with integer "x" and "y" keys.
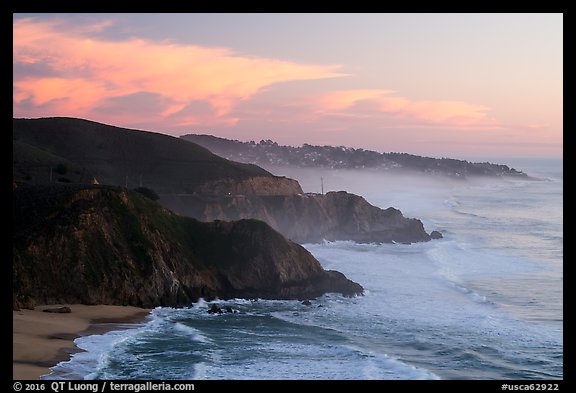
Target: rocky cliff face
{"x": 103, "y": 245}
{"x": 307, "y": 218}
{"x": 256, "y": 185}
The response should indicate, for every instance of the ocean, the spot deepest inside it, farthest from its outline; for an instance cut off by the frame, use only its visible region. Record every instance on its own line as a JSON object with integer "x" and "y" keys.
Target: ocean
{"x": 485, "y": 302}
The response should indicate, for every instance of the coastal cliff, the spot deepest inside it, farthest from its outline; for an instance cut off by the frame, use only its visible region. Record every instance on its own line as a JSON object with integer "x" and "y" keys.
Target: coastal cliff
{"x": 196, "y": 183}
{"x": 105, "y": 245}
{"x": 307, "y": 218}
{"x": 255, "y": 185}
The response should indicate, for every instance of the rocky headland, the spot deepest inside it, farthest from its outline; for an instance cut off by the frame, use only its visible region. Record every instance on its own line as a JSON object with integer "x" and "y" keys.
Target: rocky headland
{"x": 105, "y": 245}
{"x": 81, "y": 235}
{"x": 307, "y": 218}
{"x": 268, "y": 153}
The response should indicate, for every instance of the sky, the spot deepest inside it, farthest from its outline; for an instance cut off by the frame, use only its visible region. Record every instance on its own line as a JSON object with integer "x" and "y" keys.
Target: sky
{"x": 440, "y": 85}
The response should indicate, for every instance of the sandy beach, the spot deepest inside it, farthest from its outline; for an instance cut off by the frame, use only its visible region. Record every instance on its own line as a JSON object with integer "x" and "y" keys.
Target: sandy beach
{"x": 41, "y": 339}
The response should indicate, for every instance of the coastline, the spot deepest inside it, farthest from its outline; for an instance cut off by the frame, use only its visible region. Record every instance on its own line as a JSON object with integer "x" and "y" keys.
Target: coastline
{"x": 41, "y": 340}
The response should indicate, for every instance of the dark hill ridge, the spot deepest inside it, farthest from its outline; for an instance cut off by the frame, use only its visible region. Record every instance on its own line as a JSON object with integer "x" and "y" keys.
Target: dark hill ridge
{"x": 123, "y": 157}
{"x": 105, "y": 245}
{"x": 267, "y": 153}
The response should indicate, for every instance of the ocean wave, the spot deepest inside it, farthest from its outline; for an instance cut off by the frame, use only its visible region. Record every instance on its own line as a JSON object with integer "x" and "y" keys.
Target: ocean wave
{"x": 371, "y": 363}
{"x": 95, "y": 355}
{"x": 193, "y": 333}
{"x": 452, "y": 202}
{"x": 473, "y": 295}
{"x": 457, "y": 259}
{"x": 468, "y": 214}
{"x": 381, "y": 366}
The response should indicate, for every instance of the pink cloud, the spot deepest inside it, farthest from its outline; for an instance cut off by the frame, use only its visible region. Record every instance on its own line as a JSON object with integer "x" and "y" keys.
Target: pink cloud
{"x": 63, "y": 70}
{"x": 384, "y": 105}
{"x": 345, "y": 99}
{"x": 86, "y": 71}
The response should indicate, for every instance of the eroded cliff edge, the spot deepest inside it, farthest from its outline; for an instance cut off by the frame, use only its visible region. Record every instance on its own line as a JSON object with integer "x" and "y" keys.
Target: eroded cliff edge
{"x": 105, "y": 245}
{"x": 307, "y": 218}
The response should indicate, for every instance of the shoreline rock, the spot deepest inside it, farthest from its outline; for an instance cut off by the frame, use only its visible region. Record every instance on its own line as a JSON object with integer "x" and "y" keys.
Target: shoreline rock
{"x": 436, "y": 235}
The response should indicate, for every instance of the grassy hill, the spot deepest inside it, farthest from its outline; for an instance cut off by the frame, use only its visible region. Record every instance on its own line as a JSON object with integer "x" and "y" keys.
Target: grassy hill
{"x": 117, "y": 156}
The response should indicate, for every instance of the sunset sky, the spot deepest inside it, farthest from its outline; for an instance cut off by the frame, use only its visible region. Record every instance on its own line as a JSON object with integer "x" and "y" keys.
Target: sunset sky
{"x": 442, "y": 85}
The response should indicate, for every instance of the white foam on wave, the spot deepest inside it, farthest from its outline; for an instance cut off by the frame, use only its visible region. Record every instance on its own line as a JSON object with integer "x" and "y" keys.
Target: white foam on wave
{"x": 95, "y": 355}
{"x": 383, "y": 367}
{"x": 473, "y": 295}
{"x": 380, "y": 366}
{"x": 165, "y": 325}
{"x": 200, "y": 370}
{"x": 452, "y": 201}
{"x": 191, "y": 332}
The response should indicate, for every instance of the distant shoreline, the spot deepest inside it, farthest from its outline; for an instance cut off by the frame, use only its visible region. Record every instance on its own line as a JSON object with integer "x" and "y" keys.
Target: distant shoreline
{"x": 42, "y": 340}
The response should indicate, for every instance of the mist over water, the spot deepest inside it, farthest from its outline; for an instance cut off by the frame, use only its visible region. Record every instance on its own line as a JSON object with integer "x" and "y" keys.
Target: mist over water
{"x": 484, "y": 302}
